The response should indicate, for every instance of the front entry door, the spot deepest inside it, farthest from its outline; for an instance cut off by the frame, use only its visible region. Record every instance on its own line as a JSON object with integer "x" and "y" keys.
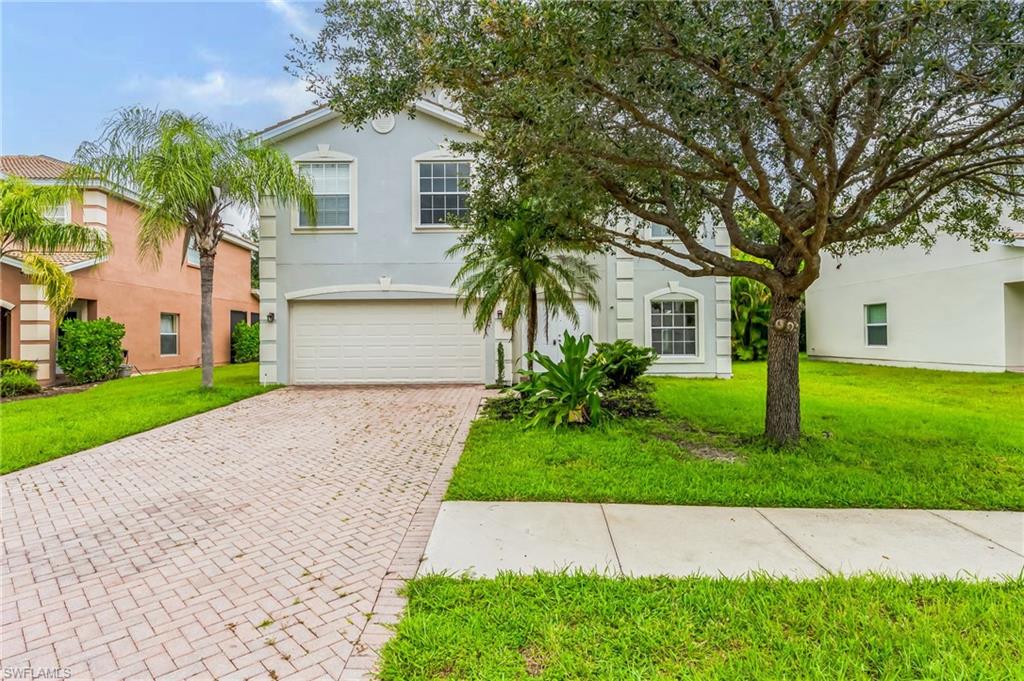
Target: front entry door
{"x": 549, "y": 340}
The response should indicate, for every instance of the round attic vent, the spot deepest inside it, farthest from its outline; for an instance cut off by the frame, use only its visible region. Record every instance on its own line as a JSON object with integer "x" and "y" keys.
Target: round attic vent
{"x": 384, "y": 124}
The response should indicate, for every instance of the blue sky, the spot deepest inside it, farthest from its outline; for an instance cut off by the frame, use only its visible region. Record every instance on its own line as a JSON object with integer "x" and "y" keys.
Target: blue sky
{"x": 65, "y": 67}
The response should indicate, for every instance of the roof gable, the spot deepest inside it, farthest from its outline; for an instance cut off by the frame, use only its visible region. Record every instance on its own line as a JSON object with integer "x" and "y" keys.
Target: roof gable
{"x": 322, "y": 114}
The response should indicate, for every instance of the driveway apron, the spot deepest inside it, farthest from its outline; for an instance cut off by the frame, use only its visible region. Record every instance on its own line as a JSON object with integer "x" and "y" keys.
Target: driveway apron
{"x": 265, "y": 539}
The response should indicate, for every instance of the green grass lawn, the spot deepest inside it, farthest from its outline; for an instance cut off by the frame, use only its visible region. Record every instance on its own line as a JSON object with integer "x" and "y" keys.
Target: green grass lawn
{"x": 874, "y": 437}
{"x": 587, "y": 627}
{"x": 37, "y": 430}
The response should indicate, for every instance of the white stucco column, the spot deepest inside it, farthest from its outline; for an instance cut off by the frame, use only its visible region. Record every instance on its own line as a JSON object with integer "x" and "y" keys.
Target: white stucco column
{"x": 36, "y": 330}
{"x": 625, "y": 306}
{"x": 268, "y": 290}
{"x": 723, "y": 311}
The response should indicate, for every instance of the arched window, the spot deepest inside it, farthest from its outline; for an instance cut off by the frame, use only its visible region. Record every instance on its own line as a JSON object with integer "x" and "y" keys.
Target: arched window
{"x": 674, "y": 323}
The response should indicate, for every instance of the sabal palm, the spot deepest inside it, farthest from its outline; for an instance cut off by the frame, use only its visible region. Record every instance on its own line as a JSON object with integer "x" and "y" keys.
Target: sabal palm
{"x": 27, "y": 234}
{"x": 185, "y": 171}
{"x": 513, "y": 258}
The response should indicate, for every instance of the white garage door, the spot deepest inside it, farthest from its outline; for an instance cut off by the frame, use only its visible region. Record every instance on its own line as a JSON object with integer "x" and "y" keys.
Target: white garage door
{"x": 401, "y": 341}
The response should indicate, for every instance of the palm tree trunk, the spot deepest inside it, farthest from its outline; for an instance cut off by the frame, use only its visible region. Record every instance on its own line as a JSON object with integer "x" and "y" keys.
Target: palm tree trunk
{"x": 531, "y": 327}
{"x": 206, "y": 317}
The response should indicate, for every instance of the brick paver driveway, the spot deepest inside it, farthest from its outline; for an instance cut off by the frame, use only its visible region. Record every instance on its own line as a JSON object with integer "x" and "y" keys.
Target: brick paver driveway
{"x": 261, "y": 540}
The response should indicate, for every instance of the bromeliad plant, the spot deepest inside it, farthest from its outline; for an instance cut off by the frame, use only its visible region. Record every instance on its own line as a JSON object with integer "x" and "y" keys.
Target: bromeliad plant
{"x": 622, "y": 362}
{"x": 566, "y": 392}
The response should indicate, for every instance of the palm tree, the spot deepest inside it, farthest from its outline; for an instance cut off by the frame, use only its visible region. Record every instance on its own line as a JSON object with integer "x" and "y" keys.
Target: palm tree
{"x": 31, "y": 237}
{"x": 185, "y": 170}
{"x": 513, "y": 256}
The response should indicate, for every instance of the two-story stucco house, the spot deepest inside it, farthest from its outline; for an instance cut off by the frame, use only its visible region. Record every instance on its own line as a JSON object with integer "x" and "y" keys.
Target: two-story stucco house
{"x": 158, "y": 304}
{"x": 366, "y": 295}
{"x": 950, "y": 308}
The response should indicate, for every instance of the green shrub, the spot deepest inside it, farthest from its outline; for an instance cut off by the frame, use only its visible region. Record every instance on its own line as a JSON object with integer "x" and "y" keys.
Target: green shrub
{"x": 18, "y": 366}
{"x": 14, "y": 383}
{"x": 566, "y": 392}
{"x": 622, "y": 362}
{"x": 90, "y": 350}
{"x": 504, "y": 407}
{"x": 245, "y": 341}
{"x": 631, "y": 401}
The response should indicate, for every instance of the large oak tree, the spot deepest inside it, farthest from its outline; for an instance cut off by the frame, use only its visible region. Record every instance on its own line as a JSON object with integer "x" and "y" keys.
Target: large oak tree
{"x": 800, "y": 127}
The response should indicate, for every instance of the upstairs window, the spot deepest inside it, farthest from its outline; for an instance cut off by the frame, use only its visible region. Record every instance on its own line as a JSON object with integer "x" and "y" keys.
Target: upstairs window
{"x": 876, "y": 318}
{"x": 192, "y": 253}
{"x": 443, "y": 191}
{"x": 60, "y": 214}
{"x": 332, "y": 188}
{"x": 660, "y": 231}
{"x": 674, "y": 327}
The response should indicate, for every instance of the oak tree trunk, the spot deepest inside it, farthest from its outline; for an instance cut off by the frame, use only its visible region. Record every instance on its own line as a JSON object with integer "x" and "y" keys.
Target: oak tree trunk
{"x": 206, "y": 317}
{"x": 782, "y": 404}
{"x": 531, "y": 327}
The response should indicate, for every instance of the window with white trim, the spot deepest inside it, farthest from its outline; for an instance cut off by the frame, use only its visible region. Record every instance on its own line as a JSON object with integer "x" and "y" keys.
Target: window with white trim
{"x": 168, "y": 334}
{"x": 660, "y": 231}
{"x": 674, "y": 327}
{"x": 332, "y": 187}
{"x": 192, "y": 253}
{"x": 876, "y": 325}
{"x": 443, "y": 191}
{"x": 60, "y": 214}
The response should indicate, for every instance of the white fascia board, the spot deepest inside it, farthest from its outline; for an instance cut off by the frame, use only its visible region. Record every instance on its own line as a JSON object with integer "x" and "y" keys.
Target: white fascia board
{"x": 290, "y": 127}
{"x": 325, "y": 113}
{"x": 237, "y": 240}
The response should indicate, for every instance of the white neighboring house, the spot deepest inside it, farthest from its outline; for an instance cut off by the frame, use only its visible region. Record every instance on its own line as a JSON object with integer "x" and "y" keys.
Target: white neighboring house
{"x": 365, "y": 295}
{"x": 952, "y": 308}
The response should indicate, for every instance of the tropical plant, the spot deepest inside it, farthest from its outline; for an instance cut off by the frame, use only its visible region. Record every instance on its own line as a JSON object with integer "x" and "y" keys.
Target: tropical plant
{"x": 20, "y": 366}
{"x": 512, "y": 257}
{"x": 14, "y": 383}
{"x": 31, "y": 237}
{"x": 847, "y": 125}
{"x": 185, "y": 170}
{"x": 751, "y": 315}
{"x": 90, "y": 350}
{"x": 245, "y": 341}
{"x": 622, "y": 362}
{"x": 566, "y": 391}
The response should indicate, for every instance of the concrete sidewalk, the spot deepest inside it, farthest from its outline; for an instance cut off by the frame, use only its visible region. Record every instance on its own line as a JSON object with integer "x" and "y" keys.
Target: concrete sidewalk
{"x": 484, "y": 538}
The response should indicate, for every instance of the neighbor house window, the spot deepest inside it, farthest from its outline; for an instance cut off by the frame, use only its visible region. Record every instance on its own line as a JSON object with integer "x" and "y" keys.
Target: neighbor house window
{"x": 168, "y": 333}
{"x": 443, "y": 191}
{"x": 877, "y": 324}
{"x": 192, "y": 254}
{"x": 61, "y": 213}
{"x": 660, "y": 231}
{"x": 674, "y": 327}
{"x": 332, "y": 188}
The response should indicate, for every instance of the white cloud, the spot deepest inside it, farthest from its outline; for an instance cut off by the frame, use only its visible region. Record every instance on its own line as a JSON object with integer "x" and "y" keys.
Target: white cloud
{"x": 299, "y": 19}
{"x": 218, "y": 93}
